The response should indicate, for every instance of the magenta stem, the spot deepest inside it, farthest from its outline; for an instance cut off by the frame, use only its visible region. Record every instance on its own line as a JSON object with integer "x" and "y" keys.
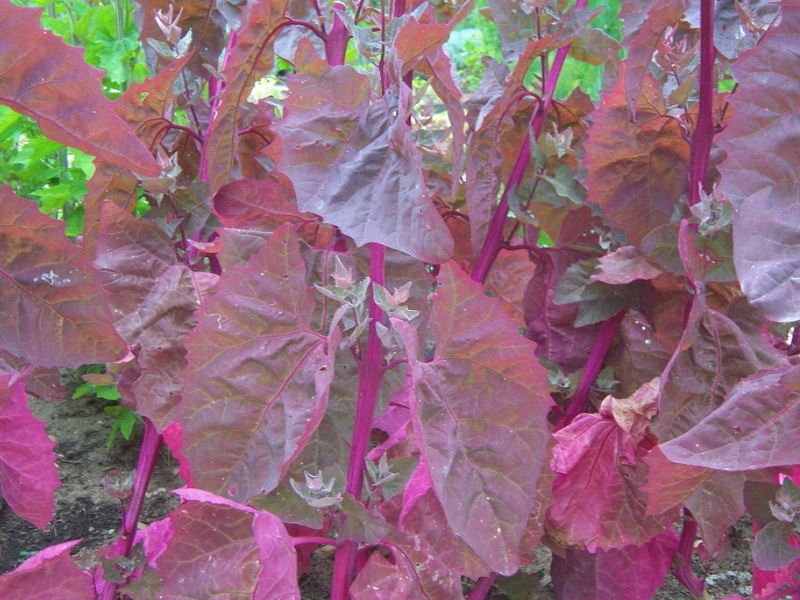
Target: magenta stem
{"x": 482, "y": 587}
{"x": 151, "y": 446}
{"x": 704, "y": 129}
{"x": 494, "y": 237}
{"x": 684, "y": 573}
{"x": 601, "y": 345}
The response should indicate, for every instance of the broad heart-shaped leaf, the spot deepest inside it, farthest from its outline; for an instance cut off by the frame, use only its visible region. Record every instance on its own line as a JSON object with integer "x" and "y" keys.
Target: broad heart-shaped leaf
{"x": 382, "y": 580}
{"x": 247, "y": 62}
{"x": 479, "y": 414}
{"x": 638, "y": 170}
{"x": 761, "y": 175}
{"x": 47, "y": 80}
{"x": 258, "y": 377}
{"x": 214, "y": 548}
{"x": 28, "y": 473}
{"x": 46, "y": 575}
{"x": 153, "y": 299}
{"x": 48, "y": 288}
{"x": 757, "y": 427}
{"x": 630, "y": 573}
{"x": 352, "y": 160}
{"x": 596, "y": 499}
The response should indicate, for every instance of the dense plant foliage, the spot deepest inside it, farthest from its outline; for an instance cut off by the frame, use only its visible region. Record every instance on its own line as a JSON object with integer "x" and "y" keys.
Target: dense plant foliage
{"x": 434, "y": 336}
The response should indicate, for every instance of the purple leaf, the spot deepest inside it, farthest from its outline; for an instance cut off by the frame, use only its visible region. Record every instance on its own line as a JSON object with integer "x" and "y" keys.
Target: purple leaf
{"x": 624, "y": 266}
{"x": 47, "y": 80}
{"x": 40, "y": 382}
{"x": 153, "y": 299}
{"x": 479, "y": 413}
{"x": 382, "y": 580}
{"x": 247, "y": 62}
{"x": 596, "y": 499}
{"x": 48, "y": 287}
{"x": 754, "y": 429}
{"x": 637, "y": 170}
{"x": 630, "y": 573}
{"x": 352, "y": 160}
{"x": 760, "y": 174}
{"x": 772, "y": 548}
{"x": 47, "y": 575}
{"x": 258, "y": 376}
{"x": 216, "y": 548}
{"x": 28, "y": 474}
{"x": 639, "y": 357}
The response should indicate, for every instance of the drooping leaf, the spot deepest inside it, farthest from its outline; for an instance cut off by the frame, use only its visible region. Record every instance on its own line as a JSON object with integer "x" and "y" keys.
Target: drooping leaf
{"x": 247, "y": 62}
{"x": 629, "y": 573}
{"x": 47, "y": 80}
{"x": 753, "y": 429}
{"x": 638, "y": 170}
{"x": 482, "y": 387}
{"x": 153, "y": 298}
{"x": 668, "y": 483}
{"x": 48, "y": 287}
{"x": 420, "y": 565}
{"x": 28, "y": 473}
{"x": 760, "y": 174}
{"x": 597, "y": 503}
{"x": 258, "y": 377}
{"x": 215, "y": 548}
{"x": 46, "y": 575}
{"x": 352, "y": 160}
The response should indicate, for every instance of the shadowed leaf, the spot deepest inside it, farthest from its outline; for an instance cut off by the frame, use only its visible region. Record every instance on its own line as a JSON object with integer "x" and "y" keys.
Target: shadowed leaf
{"x": 47, "y": 287}
{"x": 47, "y": 80}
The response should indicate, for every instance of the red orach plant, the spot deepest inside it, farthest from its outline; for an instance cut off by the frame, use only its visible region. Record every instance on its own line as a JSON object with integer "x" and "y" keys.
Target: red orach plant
{"x": 433, "y": 344}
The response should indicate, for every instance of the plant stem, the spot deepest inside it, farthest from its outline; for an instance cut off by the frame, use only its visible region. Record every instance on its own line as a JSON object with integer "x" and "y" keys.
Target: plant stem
{"x": 483, "y": 587}
{"x": 704, "y": 129}
{"x": 494, "y": 238}
{"x": 601, "y": 345}
{"x": 684, "y": 573}
{"x": 151, "y": 445}
{"x": 336, "y": 40}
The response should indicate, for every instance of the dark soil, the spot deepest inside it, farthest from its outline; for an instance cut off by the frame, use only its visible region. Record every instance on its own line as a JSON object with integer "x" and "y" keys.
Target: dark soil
{"x": 84, "y": 510}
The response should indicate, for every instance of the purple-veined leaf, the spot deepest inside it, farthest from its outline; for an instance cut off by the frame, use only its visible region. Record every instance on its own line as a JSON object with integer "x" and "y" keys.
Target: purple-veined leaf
{"x": 596, "y": 499}
{"x": 755, "y": 427}
{"x": 713, "y": 356}
{"x": 629, "y": 573}
{"x": 772, "y": 548}
{"x": 46, "y": 575}
{"x": 48, "y": 287}
{"x": 479, "y": 414}
{"x": 258, "y": 377}
{"x": 766, "y": 583}
{"x": 215, "y": 548}
{"x": 247, "y": 62}
{"x": 40, "y": 382}
{"x": 153, "y": 298}
{"x": 45, "y": 79}
{"x": 668, "y": 483}
{"x": 28, "y": 473}
{"x": 352, "y": 160}
{"x": 382, "y": 580}
{"x": 760, "y": 175}
{"x": 508, "y": 279}
{"x": 637, "y": 171}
